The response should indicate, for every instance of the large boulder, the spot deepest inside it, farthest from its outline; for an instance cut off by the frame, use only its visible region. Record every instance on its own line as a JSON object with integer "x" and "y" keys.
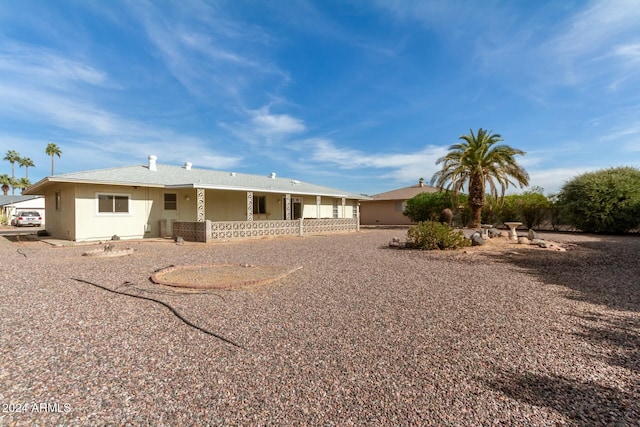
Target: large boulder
{"x": 477, "y": 240}
{"x": 532, "y": 235}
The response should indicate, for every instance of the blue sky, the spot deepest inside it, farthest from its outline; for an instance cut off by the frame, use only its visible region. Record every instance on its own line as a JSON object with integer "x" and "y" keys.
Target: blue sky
{"x": 358, "y": 95}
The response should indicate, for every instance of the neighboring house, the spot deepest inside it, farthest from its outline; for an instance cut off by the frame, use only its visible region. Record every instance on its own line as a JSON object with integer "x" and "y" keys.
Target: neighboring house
{"x": 10, "y": 205}
{"x": 155, "y": 200}
{"x": 388, "y": 208}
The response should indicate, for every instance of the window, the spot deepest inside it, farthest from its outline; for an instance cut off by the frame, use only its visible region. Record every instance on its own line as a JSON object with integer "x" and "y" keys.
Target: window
{"x": 354, "y": 212}
{"x": 57, "y": 200}
{"x": 401, "y": 206}
{"x": 170, "y": 202}
{"x": 259, "y": 204}
{"x": 335, "y": 208}
{"x": 111, "y": 203}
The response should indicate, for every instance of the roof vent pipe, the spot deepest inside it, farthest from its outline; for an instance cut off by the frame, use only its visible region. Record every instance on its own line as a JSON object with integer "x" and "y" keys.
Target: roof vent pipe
{"x": 188, "y": 165}
{"x": 152, "y": 162}
{"x": 273, "y": 175}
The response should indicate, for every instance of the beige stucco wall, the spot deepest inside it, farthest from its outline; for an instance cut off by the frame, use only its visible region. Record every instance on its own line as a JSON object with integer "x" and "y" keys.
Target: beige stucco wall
{"x": 326, "y": 207}
{"x": 78, "y": 218}
{"x": 93, "y": 225}
{"x": 383, "y": 212}
{"x": 61, "y": 221}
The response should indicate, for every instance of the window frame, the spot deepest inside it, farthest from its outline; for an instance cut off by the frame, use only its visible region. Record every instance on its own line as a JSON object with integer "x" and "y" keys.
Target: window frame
{"x": 175, "y": 201}
{"x": 114, "y": 197}
{"x": 401, "y": 206}
{"x": 257, "y": 204}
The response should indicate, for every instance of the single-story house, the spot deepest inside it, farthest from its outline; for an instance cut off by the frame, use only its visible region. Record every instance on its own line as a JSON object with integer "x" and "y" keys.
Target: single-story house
{"x": 10, "y": 205}
{"x": 388, "y": 208}
{"x": 157, "y": 200}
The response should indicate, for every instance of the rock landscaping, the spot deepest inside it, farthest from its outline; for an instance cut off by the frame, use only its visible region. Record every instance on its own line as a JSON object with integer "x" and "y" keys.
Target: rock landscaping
{"x": 498, "y": 334}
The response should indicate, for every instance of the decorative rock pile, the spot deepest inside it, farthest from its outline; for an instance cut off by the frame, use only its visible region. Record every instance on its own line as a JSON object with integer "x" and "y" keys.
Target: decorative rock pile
{"x": 480, "y": 238}
{"x": 109, "y": 250}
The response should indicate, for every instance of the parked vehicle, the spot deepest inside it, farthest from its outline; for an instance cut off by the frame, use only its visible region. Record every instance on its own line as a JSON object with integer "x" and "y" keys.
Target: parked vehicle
{"x": 31, "y": 218}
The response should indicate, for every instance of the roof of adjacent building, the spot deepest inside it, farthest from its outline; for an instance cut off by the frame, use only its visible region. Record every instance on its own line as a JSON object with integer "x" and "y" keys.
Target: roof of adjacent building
{"x": 170, "y": 176}
{"x": 11, "y": 200}
{"x": 404, "y": 193}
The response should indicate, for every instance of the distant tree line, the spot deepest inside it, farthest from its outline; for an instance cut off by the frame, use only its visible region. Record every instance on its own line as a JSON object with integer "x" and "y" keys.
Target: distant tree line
{"x": 605, "y": 201}
{"x": 11, "y": 182}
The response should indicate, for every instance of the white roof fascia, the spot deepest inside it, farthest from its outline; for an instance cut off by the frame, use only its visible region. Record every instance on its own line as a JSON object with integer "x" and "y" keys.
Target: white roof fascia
{"x": 257, "y": 190}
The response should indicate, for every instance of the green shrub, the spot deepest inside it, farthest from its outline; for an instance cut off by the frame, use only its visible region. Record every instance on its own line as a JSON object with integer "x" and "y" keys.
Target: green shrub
{"x": 435, "y": 235}
{"x": 604, "y": 201}
{"x": 428, "y": 206}
{"x": 530, "y": 207}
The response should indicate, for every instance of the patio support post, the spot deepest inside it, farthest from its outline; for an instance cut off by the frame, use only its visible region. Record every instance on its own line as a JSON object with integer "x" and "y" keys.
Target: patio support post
{"x": 249, "y": 205}
{"x": 200, "y": 206}
{"x": 287, "y": 206}
{"x": 344, "y": 203}
{"x": 318, "y": 206}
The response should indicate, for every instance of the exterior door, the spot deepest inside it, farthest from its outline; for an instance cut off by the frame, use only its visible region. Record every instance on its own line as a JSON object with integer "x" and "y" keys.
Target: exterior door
{"x": 170, "y": 210}
{"x": 296, "y": 208}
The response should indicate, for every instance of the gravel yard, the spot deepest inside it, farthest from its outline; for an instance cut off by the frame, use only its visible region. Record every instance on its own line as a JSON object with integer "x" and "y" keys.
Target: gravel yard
{"x": 360, "y": 335}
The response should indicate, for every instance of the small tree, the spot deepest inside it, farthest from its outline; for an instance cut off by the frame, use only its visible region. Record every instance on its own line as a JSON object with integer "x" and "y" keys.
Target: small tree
{"x": 427, "y": 206}
{"x": 529, "y": 207}
{"x": 604, "y": 201}
{"x": 532, "y": 205}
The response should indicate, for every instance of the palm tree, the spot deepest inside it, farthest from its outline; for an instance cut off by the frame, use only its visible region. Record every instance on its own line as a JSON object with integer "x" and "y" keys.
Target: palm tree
{"x": 22, "y": 183}
{"x": 12, "y": 157}
{"x": 475, "y": 162}
{"x": 27, "y": 163}
{"x": 5, "y": 183}
{"x": 53, "y": 150}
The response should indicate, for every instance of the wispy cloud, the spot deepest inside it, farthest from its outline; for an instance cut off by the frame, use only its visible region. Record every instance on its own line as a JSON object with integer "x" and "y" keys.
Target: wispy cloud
{"x": 268, "y": 124}
{"x": 265, "y": 133}
{"x": 431, "y": 14}
{"x": 208, "y": 54}
{"x": 602, "y": 40}
{"x": 43, "y": 67}
{"x": 394, "y": 166}
{"x": 72, "y": 97}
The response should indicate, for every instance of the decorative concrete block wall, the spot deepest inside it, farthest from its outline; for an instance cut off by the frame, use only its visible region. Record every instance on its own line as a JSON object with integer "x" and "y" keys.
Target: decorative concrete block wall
{"x": 191, "y": 231}
{"x": 228, "y": 230}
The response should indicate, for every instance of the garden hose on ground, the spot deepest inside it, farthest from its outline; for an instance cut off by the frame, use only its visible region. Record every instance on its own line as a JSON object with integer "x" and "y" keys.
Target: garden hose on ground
{"x": 173, "y": 310}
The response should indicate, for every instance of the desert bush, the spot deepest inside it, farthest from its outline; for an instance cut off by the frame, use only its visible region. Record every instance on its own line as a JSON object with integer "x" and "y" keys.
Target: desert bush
{"x": 528, "y": 207}
{"x": 604, "y": 201}
{"x": 435, "y": 235}
{"x": 429, "y": 206}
